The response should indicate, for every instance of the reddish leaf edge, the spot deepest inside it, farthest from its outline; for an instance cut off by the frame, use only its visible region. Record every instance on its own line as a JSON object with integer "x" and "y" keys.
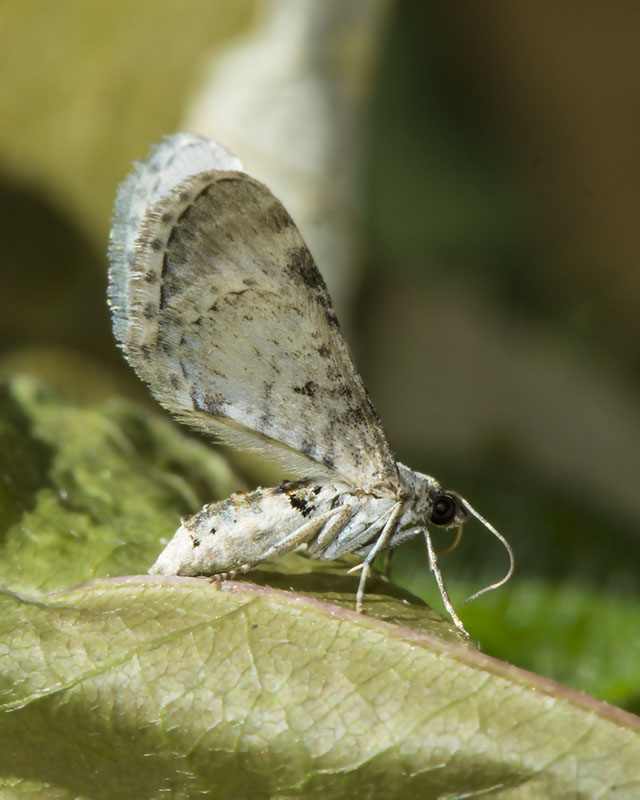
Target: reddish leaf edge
{"x": 465, "y": 654}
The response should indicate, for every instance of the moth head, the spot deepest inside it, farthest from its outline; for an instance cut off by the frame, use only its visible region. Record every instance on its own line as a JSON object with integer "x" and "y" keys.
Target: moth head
{"x": 446, "y": 509}
{"x": 430, "y": 503}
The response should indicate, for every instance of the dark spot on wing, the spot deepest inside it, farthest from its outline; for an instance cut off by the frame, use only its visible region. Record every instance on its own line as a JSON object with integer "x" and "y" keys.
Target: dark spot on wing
{"x": 157, "y": 244}
{"x": 328, "y": 462}
{"x": 167, "y": 217}
{"x": 298, "y": 501}
{"x": 166, "y": 264}
{"x": 332, "y": 319}
{"x": 149, "y": 311}
{"x": 209, "y": 404}
{"x": 232, "y": 298}
{"x": 302, "y": 265}
{"x": 306, "y": 447}
{"x": 214, "y": 405}
{"x": 183, "y": 367}
{"x": 278, "y": 218}
{"x": 175, "y": 383}
{"x": 164, "y": 296}
{"x": 175, "y": 236}
{"x": 333, "y": 375}
{"x": 194, "y": 540}
{"x": 355, "y": 414}
{"x": 299, "y": 494}
{"x": 146, "y": 351}
{"x": 266, "y": 420}
{"x": 324, "y": 351}
{"x": 151, "y": 276}
{"x": 309, "y": 389}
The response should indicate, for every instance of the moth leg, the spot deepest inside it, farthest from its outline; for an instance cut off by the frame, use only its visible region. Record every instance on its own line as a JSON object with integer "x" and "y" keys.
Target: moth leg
{"x": 330, "y": 530}
{"x": 384, "y": 537}
{"x": 293, "y": 540}
{"x": 218, "y": 579}
{"x": 433, "y": 566}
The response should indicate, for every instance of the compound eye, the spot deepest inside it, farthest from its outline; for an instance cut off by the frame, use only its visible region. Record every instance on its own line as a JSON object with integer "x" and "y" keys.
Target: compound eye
{"x": 444, "y": 509}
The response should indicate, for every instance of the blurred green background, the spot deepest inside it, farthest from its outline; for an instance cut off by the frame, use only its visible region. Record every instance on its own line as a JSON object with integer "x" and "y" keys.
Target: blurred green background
{"x": 496, "y": 312}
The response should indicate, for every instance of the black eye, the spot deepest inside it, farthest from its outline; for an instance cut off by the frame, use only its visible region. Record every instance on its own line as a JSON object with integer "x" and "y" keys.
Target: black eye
{"x": 444, "y": 509}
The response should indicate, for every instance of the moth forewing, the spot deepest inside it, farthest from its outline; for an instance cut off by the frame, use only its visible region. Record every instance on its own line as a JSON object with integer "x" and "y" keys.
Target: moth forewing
{"x": 231, "y": 322}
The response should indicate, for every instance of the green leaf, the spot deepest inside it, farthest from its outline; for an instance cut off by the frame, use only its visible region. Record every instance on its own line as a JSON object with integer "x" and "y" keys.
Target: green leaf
{"x": 144, "y": 687}
{"x": 136, "y": 686}
{"x": 89, "y": 491}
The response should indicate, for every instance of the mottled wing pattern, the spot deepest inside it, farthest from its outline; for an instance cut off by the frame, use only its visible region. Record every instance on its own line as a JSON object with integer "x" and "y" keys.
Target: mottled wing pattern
{"x": 170, "y": 163}
{"x": 221, "y": 310}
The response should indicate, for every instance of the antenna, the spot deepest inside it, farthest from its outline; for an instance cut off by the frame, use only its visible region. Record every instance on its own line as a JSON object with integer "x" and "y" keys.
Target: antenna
{"x": 505, "y": 544}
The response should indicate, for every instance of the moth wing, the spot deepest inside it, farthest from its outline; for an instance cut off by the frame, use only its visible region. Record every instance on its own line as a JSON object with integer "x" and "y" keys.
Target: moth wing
{"x": 169, "y": 163}
{"x": 220, "y": 308}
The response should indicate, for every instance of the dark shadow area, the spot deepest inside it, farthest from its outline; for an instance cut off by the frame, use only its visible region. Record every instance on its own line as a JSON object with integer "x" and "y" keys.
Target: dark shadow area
{"x": 25, "y": 461}
{"x": 53, "y": 281}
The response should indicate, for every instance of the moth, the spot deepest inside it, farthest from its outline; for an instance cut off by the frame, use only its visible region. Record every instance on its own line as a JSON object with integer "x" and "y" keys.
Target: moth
{"x": 220, "y": 309}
